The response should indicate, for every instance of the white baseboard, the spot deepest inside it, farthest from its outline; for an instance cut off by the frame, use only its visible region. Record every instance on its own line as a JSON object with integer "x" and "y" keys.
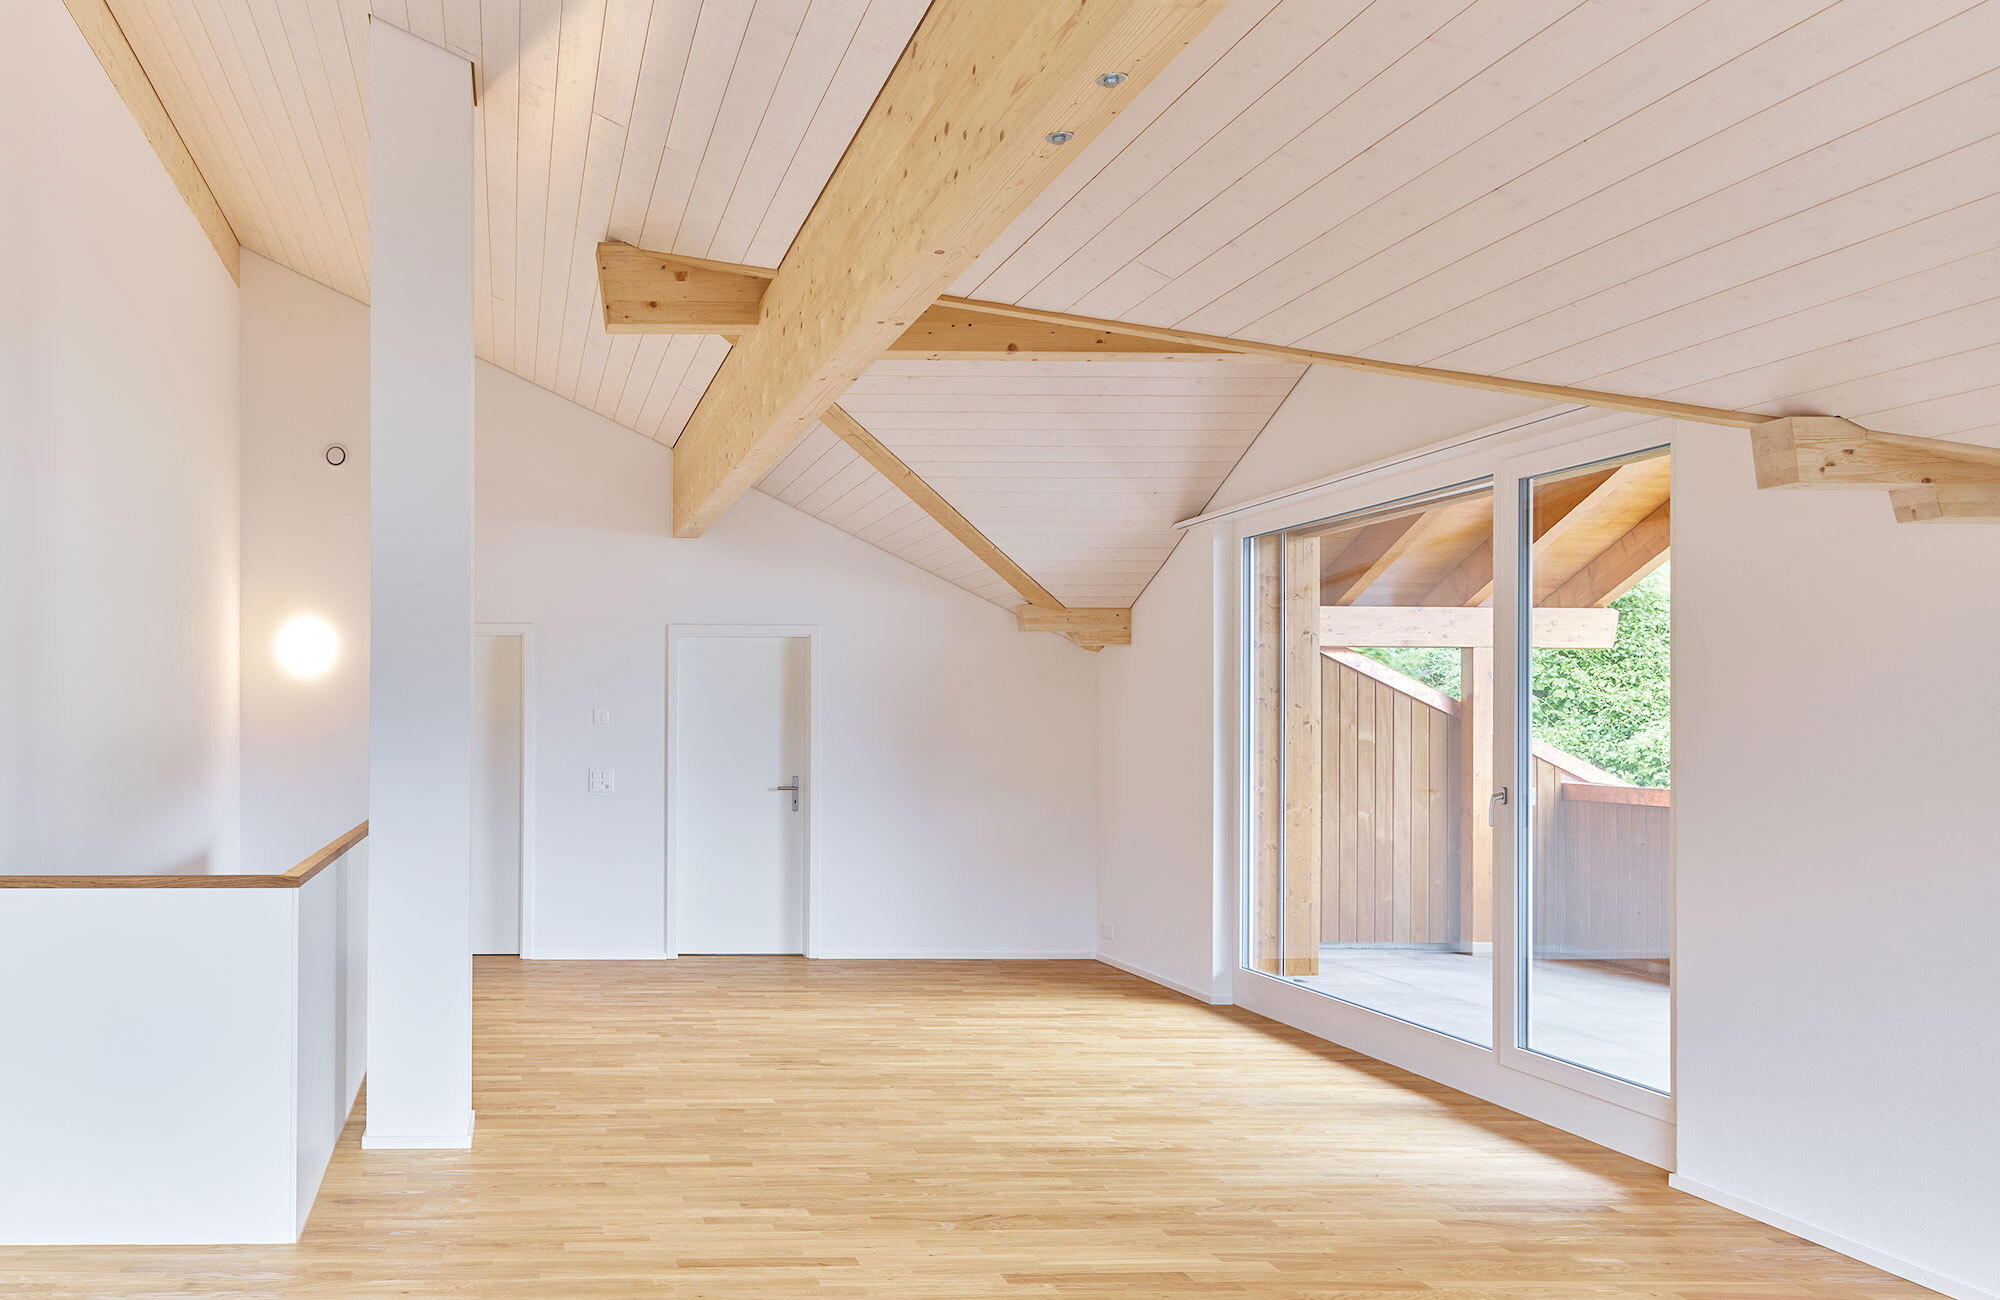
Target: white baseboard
{"x": 566, "y": 954}
{"x": 1833, "y": 1241}
{"x": 946, "y": 954}
{"x": 373, "y": 1141}
{"x": 1153, "y": 977}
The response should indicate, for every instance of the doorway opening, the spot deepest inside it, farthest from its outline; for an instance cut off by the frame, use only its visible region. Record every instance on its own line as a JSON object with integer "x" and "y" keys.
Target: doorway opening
{"x": 739, "y": 789}
{"x": 499, "y": 788}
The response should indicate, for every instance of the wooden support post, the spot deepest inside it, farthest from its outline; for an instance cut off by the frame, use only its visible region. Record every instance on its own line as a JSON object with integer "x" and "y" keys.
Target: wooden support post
{"x": 1475, "y": 786}
{"x": 1266, "y": 751}
{"x": 1304, "y": 757}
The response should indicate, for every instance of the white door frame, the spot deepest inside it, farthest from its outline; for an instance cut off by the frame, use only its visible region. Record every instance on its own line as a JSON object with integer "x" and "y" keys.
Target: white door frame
{"x": 810, "y": 631}
{"x": 526, "y": 631}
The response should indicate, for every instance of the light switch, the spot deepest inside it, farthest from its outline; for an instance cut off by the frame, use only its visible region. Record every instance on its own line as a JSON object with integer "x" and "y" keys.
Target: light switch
{"x": 600, "y": 717}
{"x": 603, "y": 780}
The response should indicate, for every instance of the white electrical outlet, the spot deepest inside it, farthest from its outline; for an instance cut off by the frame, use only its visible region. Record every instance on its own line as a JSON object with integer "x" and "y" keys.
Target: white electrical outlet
{"x": 603, "y": 780}
{"x": 600, "y": 717}
{"x": 1104, "y": 930}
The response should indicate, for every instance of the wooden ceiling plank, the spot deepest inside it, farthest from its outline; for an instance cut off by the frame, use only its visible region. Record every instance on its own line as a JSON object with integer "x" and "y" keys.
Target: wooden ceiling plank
{"x": 107, "y": 41}
{"x": 983, "y": 109}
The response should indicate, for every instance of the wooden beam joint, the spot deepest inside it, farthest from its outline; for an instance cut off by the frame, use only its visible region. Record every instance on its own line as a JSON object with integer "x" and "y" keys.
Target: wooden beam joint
{"x": 1087, "y": 627}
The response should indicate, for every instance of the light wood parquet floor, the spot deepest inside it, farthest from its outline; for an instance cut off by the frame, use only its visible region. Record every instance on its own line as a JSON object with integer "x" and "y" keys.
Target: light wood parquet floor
{"x": 772, "y": 1128}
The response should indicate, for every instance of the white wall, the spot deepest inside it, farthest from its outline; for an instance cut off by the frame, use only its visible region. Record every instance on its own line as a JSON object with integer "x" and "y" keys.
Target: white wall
{"x": 305, "y": 522}
{"x": 1835, "y": 762}
{"x": 118, "y": 486}
{"x": 150, "y": 1062}
{"x": 1838, "y": 866}
{"x": 958, "y": 755}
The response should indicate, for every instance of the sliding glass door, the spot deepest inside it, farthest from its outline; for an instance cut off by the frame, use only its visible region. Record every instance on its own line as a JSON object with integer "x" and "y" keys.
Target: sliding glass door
{"x": 1372, "y": 759}
{"x": 1593, "y": 764}
{"x": 1458, "y": 764}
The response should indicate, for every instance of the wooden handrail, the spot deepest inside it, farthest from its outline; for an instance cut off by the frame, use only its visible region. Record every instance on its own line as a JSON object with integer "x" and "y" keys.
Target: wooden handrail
{"x": 292, "y": 879}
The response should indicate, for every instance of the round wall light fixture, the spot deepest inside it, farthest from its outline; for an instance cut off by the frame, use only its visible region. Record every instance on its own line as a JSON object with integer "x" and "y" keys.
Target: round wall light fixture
{"x": 306, "y": 646}
{"x": 336, "y": 455}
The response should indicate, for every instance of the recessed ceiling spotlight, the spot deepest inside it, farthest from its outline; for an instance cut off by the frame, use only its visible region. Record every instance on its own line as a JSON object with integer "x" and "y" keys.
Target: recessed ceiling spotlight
{"x": 1060, "y": 137}
{"x": 1111, "y": 79}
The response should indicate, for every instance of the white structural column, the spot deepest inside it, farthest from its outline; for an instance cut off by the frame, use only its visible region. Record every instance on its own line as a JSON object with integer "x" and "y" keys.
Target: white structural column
{"x": 420, "y": 543}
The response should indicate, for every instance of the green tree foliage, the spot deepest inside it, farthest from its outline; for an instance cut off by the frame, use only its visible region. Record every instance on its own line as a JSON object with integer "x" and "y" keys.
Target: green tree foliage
{"x": 1608, "y": 707}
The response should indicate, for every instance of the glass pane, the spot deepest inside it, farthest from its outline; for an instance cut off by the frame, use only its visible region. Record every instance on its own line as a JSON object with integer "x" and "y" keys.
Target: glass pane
{"x": 1371, "y": 755}
{"x": 1596, "y": 872}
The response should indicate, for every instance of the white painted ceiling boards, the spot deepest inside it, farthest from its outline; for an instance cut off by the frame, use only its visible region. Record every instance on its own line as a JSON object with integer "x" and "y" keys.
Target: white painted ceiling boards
{"x": 1789, "y": 206}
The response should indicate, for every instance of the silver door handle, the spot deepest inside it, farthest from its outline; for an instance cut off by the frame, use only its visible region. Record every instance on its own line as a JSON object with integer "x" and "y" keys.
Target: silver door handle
{"x": 1499, "y": 796}
{"x": 794, "y": 788}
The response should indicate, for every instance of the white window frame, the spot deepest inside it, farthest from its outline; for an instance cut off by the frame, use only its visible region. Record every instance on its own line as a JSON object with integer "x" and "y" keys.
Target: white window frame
{"x": 1623, "y": 1116}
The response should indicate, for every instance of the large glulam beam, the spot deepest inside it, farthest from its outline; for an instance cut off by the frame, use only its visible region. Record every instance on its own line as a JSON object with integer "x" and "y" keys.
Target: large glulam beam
{"x": 985, "y": 107}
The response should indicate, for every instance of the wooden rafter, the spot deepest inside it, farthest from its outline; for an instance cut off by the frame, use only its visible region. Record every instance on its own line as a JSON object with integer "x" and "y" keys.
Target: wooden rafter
{"x": 1090, "y": 628}
{"x": 107, "y": 40}
{"x": 1617, "y": 569}
{"x": 1471, "y": 583}
{"x": 1589, "y": 528}
{"x": 927, "y": 498}
{"x": 1368, "y": 553}
{"x": 986, "y": 105}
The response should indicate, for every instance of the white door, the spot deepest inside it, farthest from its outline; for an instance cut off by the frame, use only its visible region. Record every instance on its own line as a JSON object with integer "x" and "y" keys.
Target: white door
{"x": 496, "y": 793}
{"x": 740, "y": 734}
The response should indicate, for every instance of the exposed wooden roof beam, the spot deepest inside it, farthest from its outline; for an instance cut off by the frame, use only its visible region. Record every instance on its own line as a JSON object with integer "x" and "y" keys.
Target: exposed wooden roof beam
{"x": 663, "y": 293}
{"x": 1619, "y": 567}
{"x": 1947, "y": 502}
{"x": 1429, "y": 374}
{"x": 986, "y": 105}
{"x": 1090, "y": 628}
{"x": 1367, "y": 557}
{"x": 890, "y": 466}
{"x": 1824, "y": 452}
{"x": 107, "y": 40}
{"x": 960, "y": 334}
{"x": 1471, "y": 583}
{"x": 1593, "y": 525}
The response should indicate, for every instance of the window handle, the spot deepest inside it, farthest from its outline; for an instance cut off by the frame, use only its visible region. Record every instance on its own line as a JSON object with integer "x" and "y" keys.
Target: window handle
{"x": 1499, "y": 797}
